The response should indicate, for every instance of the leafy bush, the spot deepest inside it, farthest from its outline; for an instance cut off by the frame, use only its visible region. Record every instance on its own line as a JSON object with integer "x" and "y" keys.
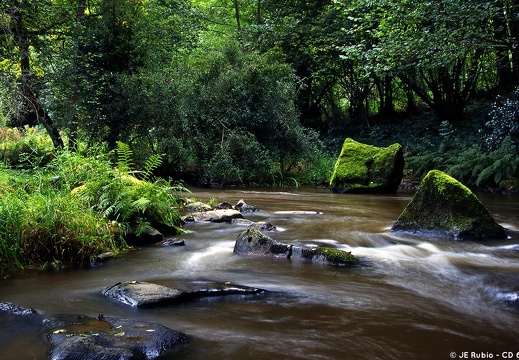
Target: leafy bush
{"x": 119, "y": 196}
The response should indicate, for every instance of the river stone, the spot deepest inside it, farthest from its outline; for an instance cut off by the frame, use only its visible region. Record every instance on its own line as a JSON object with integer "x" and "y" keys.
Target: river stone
{"x": 363, "y": 168}
{"x": 142, "y": 294}
{"x": 245, "y": 208}
{"x": 75, "y": 337}
{"x": 11, "y": 308}
{"x": 253, "y": 242}
{"x": 222, "y": 215}
{"x": 150, "y": 236}
{"x": 446, "y": 208}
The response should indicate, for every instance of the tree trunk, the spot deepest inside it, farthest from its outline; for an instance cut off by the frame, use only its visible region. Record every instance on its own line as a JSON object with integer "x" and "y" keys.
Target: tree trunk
{"x": 36, "y": 112}
{"x": 237, "y": 14}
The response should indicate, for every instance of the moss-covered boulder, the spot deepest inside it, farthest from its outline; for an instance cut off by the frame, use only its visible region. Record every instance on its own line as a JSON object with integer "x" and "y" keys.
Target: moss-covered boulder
{"x": 363, "y": 168}
{"x": 446, "y": 208}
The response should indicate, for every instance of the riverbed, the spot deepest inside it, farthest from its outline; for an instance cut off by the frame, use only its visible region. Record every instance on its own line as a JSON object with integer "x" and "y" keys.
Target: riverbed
{"x": 410, "y": 296}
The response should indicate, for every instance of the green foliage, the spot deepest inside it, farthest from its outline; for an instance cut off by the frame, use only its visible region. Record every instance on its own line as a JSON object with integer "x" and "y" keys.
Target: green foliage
{"x": 41, "y": 224}
{"x": 27, "y": 147}
{"x": 76, "y": 207}
{"x": 119, "y": 196}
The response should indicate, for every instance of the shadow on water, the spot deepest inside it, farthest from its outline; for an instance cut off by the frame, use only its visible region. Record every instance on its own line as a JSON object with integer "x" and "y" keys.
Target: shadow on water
{"x": 410, "y": 296}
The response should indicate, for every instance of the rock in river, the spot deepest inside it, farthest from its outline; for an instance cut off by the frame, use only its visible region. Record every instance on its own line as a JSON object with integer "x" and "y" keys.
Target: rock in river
{"x": 75, "y": 337}
{"x": 253, "y": 242}
{"x": 446, "y": 208}
{"x": 144, "y": 294}
{"x": 363, "y": 168}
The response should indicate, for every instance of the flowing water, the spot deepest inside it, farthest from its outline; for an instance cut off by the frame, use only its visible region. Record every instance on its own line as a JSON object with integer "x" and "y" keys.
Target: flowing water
{"x": 411, "y": 297}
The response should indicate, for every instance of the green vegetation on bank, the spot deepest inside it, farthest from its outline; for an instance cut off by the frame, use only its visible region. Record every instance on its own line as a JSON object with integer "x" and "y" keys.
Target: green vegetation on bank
{"x": 65, "y": 211}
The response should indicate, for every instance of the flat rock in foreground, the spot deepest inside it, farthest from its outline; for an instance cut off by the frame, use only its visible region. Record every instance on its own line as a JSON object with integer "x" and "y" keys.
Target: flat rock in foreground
{"x": 446, "y": 208}
{"x": 144, "y": 294}
{"x": 75, "y": 337}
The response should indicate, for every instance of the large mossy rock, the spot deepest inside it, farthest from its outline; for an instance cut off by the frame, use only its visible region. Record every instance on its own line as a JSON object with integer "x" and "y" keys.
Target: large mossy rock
{"x": 446, "y": 208}
{"x": 363, "y": 168}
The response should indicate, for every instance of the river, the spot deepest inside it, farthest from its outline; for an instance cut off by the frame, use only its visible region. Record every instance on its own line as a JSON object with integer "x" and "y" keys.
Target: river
{"x": 410, "y": 297}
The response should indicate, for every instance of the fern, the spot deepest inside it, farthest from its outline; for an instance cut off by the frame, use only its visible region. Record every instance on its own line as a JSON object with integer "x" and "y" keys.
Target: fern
{"x": 152, "y": 163}
{"x": 124, "y": 158}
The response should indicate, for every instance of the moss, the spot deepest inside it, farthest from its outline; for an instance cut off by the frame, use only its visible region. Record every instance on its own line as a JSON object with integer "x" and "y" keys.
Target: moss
{"x": 335, "y": 256}
{"x": 362, "y": 167}
{"x": 444, "y": 205}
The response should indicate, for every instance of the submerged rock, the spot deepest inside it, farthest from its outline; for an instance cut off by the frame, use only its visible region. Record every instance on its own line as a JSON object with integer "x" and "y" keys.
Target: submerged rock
{"x": 253, "y": 242}
{"x": 11, "y": 308}
{"x": 106, "y": 338}
{"x": 143, "y": 294}
{"x": 363, "y": 168}
{"x": 446, "y": 208}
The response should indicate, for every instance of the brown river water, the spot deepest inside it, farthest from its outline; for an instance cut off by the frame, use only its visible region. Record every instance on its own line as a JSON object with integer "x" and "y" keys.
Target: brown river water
{"x": 410, "y": 297}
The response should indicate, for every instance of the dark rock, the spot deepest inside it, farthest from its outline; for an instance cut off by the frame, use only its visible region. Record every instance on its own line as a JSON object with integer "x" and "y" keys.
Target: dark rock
{"x": 224, "y": 205}
{"x": 446, "y": 208}
{"x": 253, "y": 242}
{"x": 225, "y": 215}
{"x": 210, "y": 289}
{"x": 150, "y": 236}
{"x": 10, "y": 308}
{"x": 142, "y": 294}
{"x": 106, "y": 338}
{"x": 173, "y": 242}
{"x": 363, "y": 168}
{"x": 265, "y": 226}
{"x": 244, "y": 208}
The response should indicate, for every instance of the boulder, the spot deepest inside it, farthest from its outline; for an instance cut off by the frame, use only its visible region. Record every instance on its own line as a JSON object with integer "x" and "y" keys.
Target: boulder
{"x": 363, "y": 168}
{"x": 144, "y": 294}
{"x": 106, "y": 338}
{"x": 223, "y": 215}
{"x": 253, "y": 242}
{"x": 446, "y": 208}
